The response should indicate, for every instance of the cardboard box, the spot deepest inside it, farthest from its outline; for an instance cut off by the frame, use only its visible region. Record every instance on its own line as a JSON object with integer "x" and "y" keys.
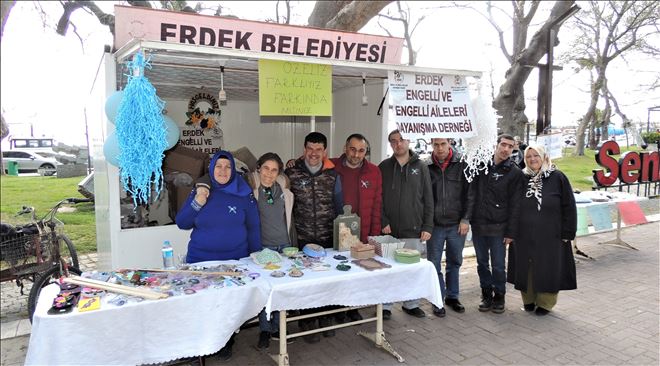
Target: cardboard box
{"x": 183, "y": 159}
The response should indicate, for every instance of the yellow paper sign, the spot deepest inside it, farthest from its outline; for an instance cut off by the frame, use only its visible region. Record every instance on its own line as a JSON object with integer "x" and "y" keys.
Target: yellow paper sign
{"x": 294, "y": 89}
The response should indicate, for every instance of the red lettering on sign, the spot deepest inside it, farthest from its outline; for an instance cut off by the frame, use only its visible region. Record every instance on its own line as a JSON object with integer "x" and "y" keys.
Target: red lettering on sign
{"x": 630, "y": 164}
{"x": 604, "y": 159}
{"x": 631, "y": 168}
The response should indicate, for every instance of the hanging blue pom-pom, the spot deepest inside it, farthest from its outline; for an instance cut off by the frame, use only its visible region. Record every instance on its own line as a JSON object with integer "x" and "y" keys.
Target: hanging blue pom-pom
{"x": 142, "y": 138}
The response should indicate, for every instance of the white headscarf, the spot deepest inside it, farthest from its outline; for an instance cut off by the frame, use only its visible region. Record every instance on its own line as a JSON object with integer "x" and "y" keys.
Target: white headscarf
{"x": 535, "y": 184}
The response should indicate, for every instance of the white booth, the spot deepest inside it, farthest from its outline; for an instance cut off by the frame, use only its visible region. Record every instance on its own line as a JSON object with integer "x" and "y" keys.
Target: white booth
{"x": 184, "y": 67}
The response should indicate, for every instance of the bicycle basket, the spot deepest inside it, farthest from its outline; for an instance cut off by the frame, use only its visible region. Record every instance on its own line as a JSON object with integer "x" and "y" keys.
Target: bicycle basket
{"x": 25, "y": 253}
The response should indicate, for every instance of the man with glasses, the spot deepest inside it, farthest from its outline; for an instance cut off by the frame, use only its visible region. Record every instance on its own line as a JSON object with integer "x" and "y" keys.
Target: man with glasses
{"x": 407, "y": 202}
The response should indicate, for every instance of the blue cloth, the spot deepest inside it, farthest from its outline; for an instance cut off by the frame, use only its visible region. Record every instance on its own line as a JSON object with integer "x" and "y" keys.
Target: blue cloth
{"x": 227, "y": 226}
{"x": 434, "y": 248}
{"x": 491, "y": 250}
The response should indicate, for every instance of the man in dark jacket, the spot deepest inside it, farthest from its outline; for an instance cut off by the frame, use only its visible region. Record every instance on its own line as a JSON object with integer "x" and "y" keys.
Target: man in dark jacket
{"x": 318, "y": 200}
{"x": 453, "y": 198}
{"x": 495, "y": 222}
{"x": 362, "y": 186}
{"x": 407, "y": 202}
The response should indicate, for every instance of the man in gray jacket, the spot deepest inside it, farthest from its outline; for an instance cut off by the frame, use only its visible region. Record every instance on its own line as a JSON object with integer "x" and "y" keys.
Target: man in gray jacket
{"x": 407, "y": 202}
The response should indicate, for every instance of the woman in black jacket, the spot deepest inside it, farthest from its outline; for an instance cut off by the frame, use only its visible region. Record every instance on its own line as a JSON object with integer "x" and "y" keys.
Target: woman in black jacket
{"x": 541, "y": 259}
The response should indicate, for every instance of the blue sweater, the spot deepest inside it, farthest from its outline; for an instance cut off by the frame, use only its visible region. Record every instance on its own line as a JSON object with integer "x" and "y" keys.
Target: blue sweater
{"x": 227, "y": 226}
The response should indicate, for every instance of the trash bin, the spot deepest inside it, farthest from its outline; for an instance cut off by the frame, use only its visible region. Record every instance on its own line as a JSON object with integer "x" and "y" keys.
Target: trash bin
{"x": 12, "y": 168}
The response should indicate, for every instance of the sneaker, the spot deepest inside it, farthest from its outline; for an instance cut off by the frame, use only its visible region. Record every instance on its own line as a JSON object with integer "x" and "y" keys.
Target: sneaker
{"x": 275, "y": 336}
{"x": 264, "y": 340}
{"x": 354, "y": 315}
{"x": 498, "y": 303}
{"x": 486, "y": 300}
{"x": 455, "y": 305}
{"x": 225, "y": 353}
{"x": 387, "y": 314}
{"x": 439, "y": 312}
{"x": 416, "y": 312}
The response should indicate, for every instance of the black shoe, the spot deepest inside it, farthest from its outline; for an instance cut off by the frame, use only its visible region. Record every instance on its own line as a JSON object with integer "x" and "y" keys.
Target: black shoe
{"x": 541, "y": 311}
{"x": 387, "y": 314}
{"x": 416, "y": 312}
{"x": 354, "y": 315}
{"x": 455, "y": 305}
{"x": 275, "y": 336}
{"x": 498, "y": 303}
{"x": 264, "y": 340}
{"x": 486, "y": 299}
{"x": 529, "y": 307}
{"x": 225, "y": 353}
{"x": 326, "y": 322}
{"x": 439, "y": 312}
{"x": 306, "y": 325}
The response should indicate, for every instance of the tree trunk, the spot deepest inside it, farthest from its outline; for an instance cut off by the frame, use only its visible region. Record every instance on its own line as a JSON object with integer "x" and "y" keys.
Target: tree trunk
{"x": 510, "y": 102}
{"x": 589, "y": 116}
{"x": 5, "y": 9}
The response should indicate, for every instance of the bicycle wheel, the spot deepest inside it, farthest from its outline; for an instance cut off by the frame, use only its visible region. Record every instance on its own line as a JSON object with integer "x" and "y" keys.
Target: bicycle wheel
{"x": 52, "y": 275}
{"x": 68, "y": 251}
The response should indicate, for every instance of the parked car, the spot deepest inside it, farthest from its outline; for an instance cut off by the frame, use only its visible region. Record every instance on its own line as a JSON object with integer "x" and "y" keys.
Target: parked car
{"x": 30, "y": 161}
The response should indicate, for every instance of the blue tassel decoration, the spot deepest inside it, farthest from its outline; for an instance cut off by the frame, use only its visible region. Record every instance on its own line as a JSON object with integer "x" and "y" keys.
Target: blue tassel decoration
{"x": 142, "y": 138}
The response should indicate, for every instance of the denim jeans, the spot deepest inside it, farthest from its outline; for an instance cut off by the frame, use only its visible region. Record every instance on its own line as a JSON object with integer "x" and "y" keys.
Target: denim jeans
{"x": 274, "y": 324}
{"x": 434, "y": 248}
{"x": 491, "y": 250}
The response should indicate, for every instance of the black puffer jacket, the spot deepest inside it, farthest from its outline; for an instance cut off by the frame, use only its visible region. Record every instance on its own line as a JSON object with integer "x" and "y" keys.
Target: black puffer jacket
{"x": 497, "y": 207}
{"x": 453, "y": 195}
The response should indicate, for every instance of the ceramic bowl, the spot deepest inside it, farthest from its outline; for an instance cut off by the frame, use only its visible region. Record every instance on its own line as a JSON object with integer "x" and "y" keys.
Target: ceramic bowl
{"x": 290, "y": 251}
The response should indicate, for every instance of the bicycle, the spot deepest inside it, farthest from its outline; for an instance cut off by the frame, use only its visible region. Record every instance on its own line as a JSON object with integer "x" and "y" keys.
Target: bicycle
{"x": 38, "y": 251}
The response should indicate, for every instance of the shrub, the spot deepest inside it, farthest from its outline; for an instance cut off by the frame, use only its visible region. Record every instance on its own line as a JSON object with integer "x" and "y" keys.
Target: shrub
{"x": 651, "y": 137}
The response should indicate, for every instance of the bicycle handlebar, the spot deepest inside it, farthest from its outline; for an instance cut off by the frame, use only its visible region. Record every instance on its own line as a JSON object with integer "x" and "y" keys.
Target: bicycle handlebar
{"x": 78, "y": 200}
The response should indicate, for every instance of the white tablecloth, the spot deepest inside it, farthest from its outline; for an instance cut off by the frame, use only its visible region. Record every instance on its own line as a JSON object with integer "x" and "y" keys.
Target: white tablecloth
{"x": 142, "y": 333}
{"x": 357, "y": 287}
{"x": 200, "y": 324}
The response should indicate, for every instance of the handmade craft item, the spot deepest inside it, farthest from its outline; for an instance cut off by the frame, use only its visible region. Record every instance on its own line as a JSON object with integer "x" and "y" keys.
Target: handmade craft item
{"x": 111, "y": 287}
{"x": 140, "y": 134}
{"x": 343, "y": 267}
{"x": 362, "y": 251}
{"x": 370, "y": 264}
{"x": 266, "y": 256}
{"x": 346, "y": 230}
{"x": 290, "y": 251}
{"x": 295, "y": 272}
{"x": 314, "y": 250}
{"x": 385, "y": 245}
{"x": 405, "y": 255}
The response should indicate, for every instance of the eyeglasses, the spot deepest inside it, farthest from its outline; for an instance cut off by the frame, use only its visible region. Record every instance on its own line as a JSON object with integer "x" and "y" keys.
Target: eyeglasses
{"x": 269, "y": 195}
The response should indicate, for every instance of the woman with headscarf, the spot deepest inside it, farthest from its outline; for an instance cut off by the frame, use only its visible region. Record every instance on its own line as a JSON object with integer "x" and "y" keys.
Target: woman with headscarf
{"x": 541, "y": 259}
{"x": 224, "y": 220}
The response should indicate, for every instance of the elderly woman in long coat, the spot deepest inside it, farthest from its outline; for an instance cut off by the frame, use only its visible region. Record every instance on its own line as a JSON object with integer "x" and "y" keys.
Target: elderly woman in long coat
{"x": 541, "y": 259}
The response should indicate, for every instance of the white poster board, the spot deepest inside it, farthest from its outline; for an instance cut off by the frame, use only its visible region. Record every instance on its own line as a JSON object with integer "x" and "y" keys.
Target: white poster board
{"x": 431, "y": 105}
{"x": 552, "y": 143}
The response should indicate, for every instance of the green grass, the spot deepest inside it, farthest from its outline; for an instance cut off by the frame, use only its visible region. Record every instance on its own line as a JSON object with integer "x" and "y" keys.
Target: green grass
{"x": 578, "y": 169}
{"x": 43, "y": 193}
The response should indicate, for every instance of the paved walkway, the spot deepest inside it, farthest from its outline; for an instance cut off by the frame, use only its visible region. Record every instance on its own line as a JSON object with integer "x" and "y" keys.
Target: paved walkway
{"x": 612, "y": 319}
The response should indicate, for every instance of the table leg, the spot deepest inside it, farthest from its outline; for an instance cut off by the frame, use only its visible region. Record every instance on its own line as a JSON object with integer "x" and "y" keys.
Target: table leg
{"x": 379, "y": 336}
{"x": 283, "y": 357}
{"x": 618, "y": 240}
